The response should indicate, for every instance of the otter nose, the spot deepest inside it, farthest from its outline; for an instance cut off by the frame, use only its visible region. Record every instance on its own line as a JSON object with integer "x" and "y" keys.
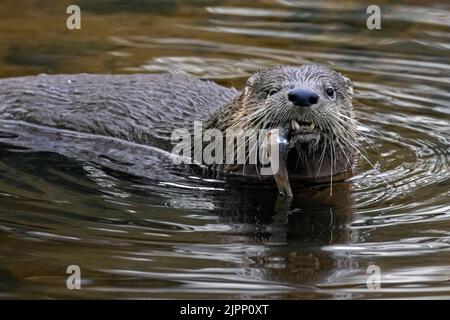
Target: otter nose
{"x": 303, "y": 97}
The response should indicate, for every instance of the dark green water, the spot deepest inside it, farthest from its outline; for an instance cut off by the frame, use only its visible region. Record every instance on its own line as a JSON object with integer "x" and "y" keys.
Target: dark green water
{"x": 138, "y": 237}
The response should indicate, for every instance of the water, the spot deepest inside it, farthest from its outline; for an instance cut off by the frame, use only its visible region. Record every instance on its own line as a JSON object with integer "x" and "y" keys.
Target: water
{"x": 166, "y": 234}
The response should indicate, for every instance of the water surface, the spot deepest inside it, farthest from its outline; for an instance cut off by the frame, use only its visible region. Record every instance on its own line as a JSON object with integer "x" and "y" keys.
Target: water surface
{"x": 140, "y": 231}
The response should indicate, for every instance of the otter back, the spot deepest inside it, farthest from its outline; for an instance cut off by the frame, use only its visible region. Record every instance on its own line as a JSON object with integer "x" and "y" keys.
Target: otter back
{"x": 140, "y": 108}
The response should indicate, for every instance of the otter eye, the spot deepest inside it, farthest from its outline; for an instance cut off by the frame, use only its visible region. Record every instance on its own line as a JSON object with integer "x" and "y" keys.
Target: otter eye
{"x": 271, "y": 92}
{"x": 330, "y": 92}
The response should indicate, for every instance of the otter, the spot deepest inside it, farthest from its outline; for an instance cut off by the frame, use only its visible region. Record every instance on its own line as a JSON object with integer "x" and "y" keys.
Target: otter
{"x": 311, "y": 105}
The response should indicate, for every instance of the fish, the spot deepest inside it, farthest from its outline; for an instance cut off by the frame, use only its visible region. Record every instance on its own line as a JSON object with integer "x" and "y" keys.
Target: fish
{"x": 278, "y": 152}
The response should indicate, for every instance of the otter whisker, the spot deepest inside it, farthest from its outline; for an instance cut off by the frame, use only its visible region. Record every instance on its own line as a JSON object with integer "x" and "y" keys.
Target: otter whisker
{"x": 322, "y": 157}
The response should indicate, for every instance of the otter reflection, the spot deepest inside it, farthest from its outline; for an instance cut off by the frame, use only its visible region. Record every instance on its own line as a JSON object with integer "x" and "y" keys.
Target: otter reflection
{"x": 312, "y": 216}
{"x": 293, "y": 232}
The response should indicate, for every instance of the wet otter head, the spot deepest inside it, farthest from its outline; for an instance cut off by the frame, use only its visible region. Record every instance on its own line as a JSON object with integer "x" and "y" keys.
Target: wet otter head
{"x": 312, "y": 104}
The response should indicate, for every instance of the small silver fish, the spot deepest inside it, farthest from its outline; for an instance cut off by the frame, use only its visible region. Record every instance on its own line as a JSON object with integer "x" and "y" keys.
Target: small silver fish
{"x": 280, "y": 172}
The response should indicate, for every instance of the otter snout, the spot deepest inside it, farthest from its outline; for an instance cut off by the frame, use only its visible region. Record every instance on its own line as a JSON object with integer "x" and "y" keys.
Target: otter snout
{"x": 303, "y": 97}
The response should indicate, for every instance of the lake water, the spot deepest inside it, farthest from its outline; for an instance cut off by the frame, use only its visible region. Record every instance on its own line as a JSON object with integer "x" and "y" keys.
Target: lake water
{"x": 156, "y": 236}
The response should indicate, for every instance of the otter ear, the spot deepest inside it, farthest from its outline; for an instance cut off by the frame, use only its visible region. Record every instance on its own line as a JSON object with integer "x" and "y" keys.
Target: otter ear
{"x": 252, "y": 81}
{"x": 349, "y": 85}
